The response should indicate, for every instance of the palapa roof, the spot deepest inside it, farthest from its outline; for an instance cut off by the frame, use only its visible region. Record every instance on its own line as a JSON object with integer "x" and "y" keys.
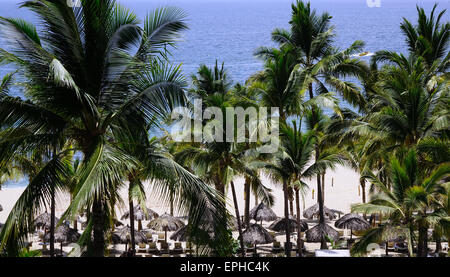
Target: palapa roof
{"x": 314, "y": 211}
{"x": 262, "y": 213}
{"x": 280, "y": 224}
{"x": 43, "y": 220}
{"x": 64, "y": 234}
{"x": 165, "y": 222}
{"x": 139, "y": 214}
{"x": 123, "y": 235}
{"x": 352, "y": 221}
{"x": 256, "y": 234}
{"x": 320, "y": 231}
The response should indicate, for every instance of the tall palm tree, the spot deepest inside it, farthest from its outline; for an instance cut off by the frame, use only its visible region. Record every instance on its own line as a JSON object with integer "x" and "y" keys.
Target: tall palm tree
{"x": 429, "y": 38}
{"x": 415, "y": 202}
{"x": 300, "y": 147}
{"x": 94, "y": 73}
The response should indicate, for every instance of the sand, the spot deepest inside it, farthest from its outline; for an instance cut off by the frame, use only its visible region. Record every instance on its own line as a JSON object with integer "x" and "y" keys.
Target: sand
{"x": 340, "y": 196}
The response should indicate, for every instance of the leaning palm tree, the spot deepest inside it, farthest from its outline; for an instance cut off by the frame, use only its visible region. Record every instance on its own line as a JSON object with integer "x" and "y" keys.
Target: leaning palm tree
{"x": 95, "y": 73}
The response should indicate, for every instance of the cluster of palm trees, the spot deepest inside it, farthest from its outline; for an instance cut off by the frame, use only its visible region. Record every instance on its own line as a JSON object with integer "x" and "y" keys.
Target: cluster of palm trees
{"x": 97, "y": 85}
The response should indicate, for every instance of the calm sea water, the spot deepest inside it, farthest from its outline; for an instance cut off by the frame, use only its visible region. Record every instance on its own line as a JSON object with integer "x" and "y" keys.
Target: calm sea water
{"x": 230, "y": 30}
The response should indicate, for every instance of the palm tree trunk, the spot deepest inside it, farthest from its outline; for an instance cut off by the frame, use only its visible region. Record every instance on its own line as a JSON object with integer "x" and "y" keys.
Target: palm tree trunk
{"x": 98, "y": 244}
{"x": 132, "y": 237}
{"x": 299, "y": 231}
{"x": 362, "y": 183}
{"x": 323, "y": 187}
{"x": 238, "y": 217}
{"x": 247, "y": 202}
{"x": 52, "y": 222}
{"x": 291, "y": 200}
{"x": 286, "y": 216}
{"x": 323, "y": 243}
{"x": 171, "y": 203}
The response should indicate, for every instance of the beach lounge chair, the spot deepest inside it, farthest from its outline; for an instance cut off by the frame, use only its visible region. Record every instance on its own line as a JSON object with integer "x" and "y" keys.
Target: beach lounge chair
{"x": 164, "y": 249}
{"x": 390, "y": 245}
{"x": 189, "y": 248}
{"x": 276, "y": 246}
{"x": 178, "y": 248}
{"x": 161, "y": 238}
{"x": 149, "y": 237}
{"x": 142, "y": 248}
{"x": 152, "y": 249}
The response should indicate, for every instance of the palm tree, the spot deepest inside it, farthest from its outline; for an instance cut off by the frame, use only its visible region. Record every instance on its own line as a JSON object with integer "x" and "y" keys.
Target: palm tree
{"x": 416, "y": 201}
{"x": 87, "y": 80}
{"x": 281, "y": 168}
{"x": 429, "y": 38}
{"x": 300, "y": 147}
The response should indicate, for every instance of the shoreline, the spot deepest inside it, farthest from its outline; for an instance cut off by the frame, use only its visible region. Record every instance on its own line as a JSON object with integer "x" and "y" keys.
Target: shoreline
{"x": 340, "y": 196}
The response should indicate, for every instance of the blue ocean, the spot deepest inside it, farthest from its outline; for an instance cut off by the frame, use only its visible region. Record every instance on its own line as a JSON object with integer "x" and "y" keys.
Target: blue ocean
{"x": 231, "y": 30}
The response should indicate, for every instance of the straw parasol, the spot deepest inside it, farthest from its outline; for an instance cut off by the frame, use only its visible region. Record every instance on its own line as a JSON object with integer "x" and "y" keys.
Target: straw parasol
{"x": 165, "y": 223}
{"x": 314, "y": 211}
{"x": 64, "y": 234}
{"x": 262, "y": 213}
{"x": 337, "y": 212}
{"x": 123, "y": 235}
{"x": 280, "y": 224}
{"x": 256, "y": 234}
{"x": 43, "y": 220}
{"x": 352, "y": 222}
{"x": 320, "y": 231}
{"x": 139, "y": 214}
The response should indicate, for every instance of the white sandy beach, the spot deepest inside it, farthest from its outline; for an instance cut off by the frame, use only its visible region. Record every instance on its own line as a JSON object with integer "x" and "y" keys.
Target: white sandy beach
{"x": 340, "y": 196}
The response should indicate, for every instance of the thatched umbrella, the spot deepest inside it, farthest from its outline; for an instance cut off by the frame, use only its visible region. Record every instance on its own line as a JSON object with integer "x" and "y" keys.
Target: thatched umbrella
{"x": 337, "y": 212}
{"x": 165, "y": 223}
{"x": 262, "y": 213}
{"x": 140, "y": 215}
{"x": 256, "y": 234}
{"x": 281, "y": 224}
{"x": 64, "y": 234}
{"x": 320, "y": 231}
{"x": 123, "y": 235}
{"x": 43, "y": 220}
{"x": 352, "y": 222}
{"x": 314, "y": 211}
